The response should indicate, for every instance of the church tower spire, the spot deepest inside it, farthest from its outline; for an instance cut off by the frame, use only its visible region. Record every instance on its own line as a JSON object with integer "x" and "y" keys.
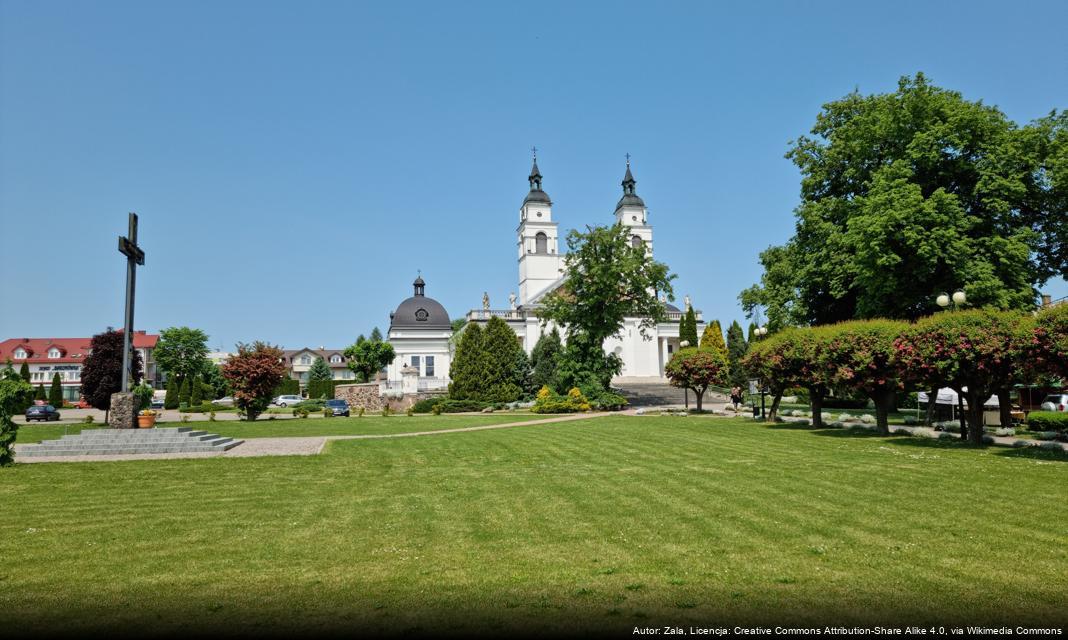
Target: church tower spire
{"x": 539, "y": 259}
{"x": 631, "y": 212}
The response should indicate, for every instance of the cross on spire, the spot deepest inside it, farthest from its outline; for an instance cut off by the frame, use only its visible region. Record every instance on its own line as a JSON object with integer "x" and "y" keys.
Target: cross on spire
{"x": 628, "y": 159}
{"x": 534, "y": 150}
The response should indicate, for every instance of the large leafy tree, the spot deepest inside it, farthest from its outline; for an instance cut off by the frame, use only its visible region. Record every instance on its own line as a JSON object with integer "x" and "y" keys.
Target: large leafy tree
{"x": 14, "y": 391}
{"x": 606, "y": 280}
{"x": 697, "y": 369}
{"x": 102, "y": 370}
{"x": 253, "y": 373}
{"x": 978, "y": 353}
{"x": 182, "y": 351}
{"x": 911, "y": 193}
{"x": 366, "y": 357}
{"x": 861, "y": 355}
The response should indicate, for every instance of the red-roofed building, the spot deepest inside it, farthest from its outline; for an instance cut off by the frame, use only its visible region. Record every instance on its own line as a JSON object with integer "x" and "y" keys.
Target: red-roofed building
{"x": 49, "y": 356}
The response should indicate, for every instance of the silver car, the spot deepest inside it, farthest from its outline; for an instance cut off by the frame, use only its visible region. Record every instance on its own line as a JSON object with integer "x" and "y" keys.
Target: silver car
{"x": 285, "y": 401}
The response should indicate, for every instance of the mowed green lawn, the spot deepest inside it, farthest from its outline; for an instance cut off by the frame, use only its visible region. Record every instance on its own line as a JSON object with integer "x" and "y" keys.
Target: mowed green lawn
{"x": 264, "y": 428}
{"x": 598, "y": 525}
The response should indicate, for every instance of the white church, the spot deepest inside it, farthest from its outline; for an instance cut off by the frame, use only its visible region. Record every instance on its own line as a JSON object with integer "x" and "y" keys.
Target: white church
{"x": 419, "y": 328}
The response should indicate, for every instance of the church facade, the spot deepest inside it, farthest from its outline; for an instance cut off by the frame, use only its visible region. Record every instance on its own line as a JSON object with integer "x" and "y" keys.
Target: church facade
{"x": 541, "y": 270}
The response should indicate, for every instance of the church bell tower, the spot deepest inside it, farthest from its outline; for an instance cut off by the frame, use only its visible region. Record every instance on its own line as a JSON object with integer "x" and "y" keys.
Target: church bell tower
{"x": 539, "y": 253}
{"x": 631, "y": 212}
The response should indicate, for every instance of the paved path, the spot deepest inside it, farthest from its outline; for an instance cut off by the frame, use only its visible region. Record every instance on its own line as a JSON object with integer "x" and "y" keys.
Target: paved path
{"x": 300, "y": 446}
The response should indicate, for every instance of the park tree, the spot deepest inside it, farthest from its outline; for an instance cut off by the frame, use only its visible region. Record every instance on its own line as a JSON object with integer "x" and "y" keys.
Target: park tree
{"x": 1048, "y": 353}
{"x": 367, "y": 356}
{"x": 697, "y": 369}
{"x": 40, "y": 394}
{"x": 196, "y": 391}
{"x": 607, "y": 279}
{"x": 911, "y": 193}
{"x": 171, "y": 400}
{"x": 216, "y": 385}
{"x": 688, "y": 330}
{"x": 102, "y": 370}
{"x": 712, "y": 338}
{"x": 24, "y": 371}
{"x": 544, "y": 358}
{"x": 467, "y": 368}
{"x": 319, "y": 371}
{"x": 185, "y": 392}
{"x": 14, "y": 390}
{"x": 736, "y": 350}
{"x": 977, "y": 353}
{"x": 505, "y": 366}
{"x": 779, "y": 361}
{"x": 253, "y": 373}
{"x": 182, "y": 351}
{"x": 55, "y": 393}
{"x": 861, "y": 355}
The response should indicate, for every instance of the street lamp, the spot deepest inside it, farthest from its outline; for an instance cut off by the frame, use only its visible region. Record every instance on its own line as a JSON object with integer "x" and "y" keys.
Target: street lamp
{"x": 760, "y": 332}
{"x": 957, "y": 299}
{"x": 685, "y": 390}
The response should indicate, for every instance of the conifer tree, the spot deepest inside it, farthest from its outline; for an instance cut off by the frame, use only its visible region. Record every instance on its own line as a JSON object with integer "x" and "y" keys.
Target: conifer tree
{"x": 186, "y": 393}
{"x": 376, "y": 335}
{"x": 55, "y": 394}
{"x": 170, "y": 401}
{"x": 736, "y": 350}
{"x": 319, "y": 371}
{"x": 689, "y": 331}
{"x": 196, "y": 393}
{"x": 712, "y": 338}
{"x": 505, "y": 364}
{"x": 544, "y": 359}
{"x": 24, "y": 371}
{"x": 40, "y": 394}
{"x": 466, "y": 368}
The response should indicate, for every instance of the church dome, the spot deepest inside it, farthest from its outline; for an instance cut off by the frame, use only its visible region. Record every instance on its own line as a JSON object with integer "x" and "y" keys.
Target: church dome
{"x": 420, "y": 312}
{"x": 537, "y": 195}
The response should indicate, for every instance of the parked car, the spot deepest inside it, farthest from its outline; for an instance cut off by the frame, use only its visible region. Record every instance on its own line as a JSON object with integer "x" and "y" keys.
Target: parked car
{"x": 339, "y": 407}
{"x": 1055, "y": 402}
{"x": 285, "y": 401}
{"x": 42, "y": 413}
{"x": 225, "y": 401}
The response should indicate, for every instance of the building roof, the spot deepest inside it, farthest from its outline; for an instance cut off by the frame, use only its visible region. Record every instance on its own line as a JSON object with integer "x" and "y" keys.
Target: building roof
{"x": 420, "y": 312}
{"x": 536, "y": 194}
{"x": 325, "y": 354}
{"x": 630, "y": 196}
{"x": 71, "y": 349}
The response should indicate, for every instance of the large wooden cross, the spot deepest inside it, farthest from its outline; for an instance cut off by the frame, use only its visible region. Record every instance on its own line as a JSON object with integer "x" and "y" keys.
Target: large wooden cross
{"x": 134, "y": 256}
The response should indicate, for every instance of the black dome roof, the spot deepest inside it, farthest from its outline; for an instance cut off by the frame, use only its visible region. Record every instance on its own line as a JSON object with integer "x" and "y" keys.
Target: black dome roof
{"x": 537, "y": 195}
{"x": 631, "y": 199}
{"x": 420, "y": 312}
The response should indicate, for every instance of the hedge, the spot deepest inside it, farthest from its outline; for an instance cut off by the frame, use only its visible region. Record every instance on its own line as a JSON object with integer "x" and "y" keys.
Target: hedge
{"x": 287, "y": 387}
{"x": 1047, "y": 421}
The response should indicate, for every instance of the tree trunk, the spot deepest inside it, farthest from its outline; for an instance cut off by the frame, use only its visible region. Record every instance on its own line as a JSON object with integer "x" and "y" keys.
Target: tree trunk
{"x": 700, "y": 395}
{"x": 932, "y": 406}
{"x": 884, "y": 401}
{"x": 773, "y": 413}
{"x": 815, "y": 397}
{"x": 1005, "y": 408}
{"x": 975, "y": 416}
{"x": 107, "y": 415}
{"x": 961, "y": 415}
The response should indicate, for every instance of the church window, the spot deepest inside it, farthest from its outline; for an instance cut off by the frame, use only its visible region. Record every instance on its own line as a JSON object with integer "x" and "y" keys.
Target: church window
{"x": 415, "y": 362}
{"x": 541, "y": 243}
{"x": 634, "y": 218}
{"x": 636, "y": 241}
{"x": 430, "y": 366}
{"x": 421, "y": 315}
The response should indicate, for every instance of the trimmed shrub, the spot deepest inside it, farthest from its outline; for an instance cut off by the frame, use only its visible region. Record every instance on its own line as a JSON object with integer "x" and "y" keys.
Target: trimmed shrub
{"x": 449, "y": 405}
{"x": 1048, "y": 421}
{"x": 607, "y": 401}
{"x": 549, "y": 402}
{"x": 288, "y": 387}
{"x": 426, "y": 406}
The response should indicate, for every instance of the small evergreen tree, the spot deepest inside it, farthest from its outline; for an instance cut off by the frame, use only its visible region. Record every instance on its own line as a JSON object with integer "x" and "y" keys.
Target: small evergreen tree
{"x": 170, "y": 401}
{"x": 376, "y": 335}
{"x": 505, "y": 366}
{"x": 186, "y": 393}
{"x": 196, "y": 393}
{"x": 320, "y": 371}
{"x": 466, "y": 370}
{"x": 712, "y": 338}
{"x": 736, "y": 350}
{"x": 688, "y": 331}
{"x": 55, "y": 394}
{"x": 40, "y": 393}
{"x": 24, "y": 371}
{"x": 543, "y": 359}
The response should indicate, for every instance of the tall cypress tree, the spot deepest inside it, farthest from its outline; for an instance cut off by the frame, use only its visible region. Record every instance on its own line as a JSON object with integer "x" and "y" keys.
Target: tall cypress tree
{"x": 505, "y": 365}
{"x": 689, "y": 331}
{"x": 736, "y": 350}
{"x": 55, "y": 394}
{"x": 544, "y": 358}
{"x": 24, "y": 371}
{"x": 196, "y": 393}
{"x": 186, "y": 393}
{"x": 170, "y": 401}
{"x": 466, "y": 368}
{"x": 40, "y": 394}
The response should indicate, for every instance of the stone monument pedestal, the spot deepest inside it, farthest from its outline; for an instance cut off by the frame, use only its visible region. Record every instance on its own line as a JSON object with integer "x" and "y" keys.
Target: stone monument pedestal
{"x": 123, "y": 413}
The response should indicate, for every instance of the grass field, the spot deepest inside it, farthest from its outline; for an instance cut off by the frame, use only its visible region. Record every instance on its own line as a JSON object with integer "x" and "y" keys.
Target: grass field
{"x": 263, "y": 428}
{"x": 598, "y": 525}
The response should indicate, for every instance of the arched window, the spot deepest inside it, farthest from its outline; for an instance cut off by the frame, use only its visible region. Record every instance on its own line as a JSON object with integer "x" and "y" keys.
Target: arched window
{"x": 541, "y": 243}
{"x": 335, "y": 359}
{"x": 636, "y": 241}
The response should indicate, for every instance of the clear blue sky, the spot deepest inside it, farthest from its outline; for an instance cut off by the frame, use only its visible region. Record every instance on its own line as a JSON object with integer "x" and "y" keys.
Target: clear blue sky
{"x": 294, "y": 163}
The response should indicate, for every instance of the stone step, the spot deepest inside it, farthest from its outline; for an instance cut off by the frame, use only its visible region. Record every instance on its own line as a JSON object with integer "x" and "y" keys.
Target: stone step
{"x": 163, "y": 438}
{"x": 172, "y": 444}
{"x": 128, "y": 441}
{"x": 134, "y": 433}
{"x": 36, "y": 453}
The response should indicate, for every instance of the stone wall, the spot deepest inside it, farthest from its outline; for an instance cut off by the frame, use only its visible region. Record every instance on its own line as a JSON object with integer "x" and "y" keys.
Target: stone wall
{"x": 366, "y": 395}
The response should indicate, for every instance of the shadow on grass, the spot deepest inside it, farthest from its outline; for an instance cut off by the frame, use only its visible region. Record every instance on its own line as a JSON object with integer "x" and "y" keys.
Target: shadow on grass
{"x": 908, "y": 440}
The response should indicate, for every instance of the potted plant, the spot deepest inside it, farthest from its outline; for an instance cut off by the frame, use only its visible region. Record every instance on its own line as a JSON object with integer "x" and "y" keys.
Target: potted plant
{"x": 146, "y": 419}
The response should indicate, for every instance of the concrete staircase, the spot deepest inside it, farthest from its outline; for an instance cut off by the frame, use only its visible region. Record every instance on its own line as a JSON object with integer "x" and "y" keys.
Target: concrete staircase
{"x": 659, "y": 394}
{"x": 107, "y": 442}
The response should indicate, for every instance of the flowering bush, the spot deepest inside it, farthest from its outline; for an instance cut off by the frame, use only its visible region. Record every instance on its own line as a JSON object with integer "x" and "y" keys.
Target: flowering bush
{"x": 1048, "y": 351}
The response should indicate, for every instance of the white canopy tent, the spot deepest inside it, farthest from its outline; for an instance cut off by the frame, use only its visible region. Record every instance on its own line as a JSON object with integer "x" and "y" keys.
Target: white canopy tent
{"x": 948, "y": 396}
